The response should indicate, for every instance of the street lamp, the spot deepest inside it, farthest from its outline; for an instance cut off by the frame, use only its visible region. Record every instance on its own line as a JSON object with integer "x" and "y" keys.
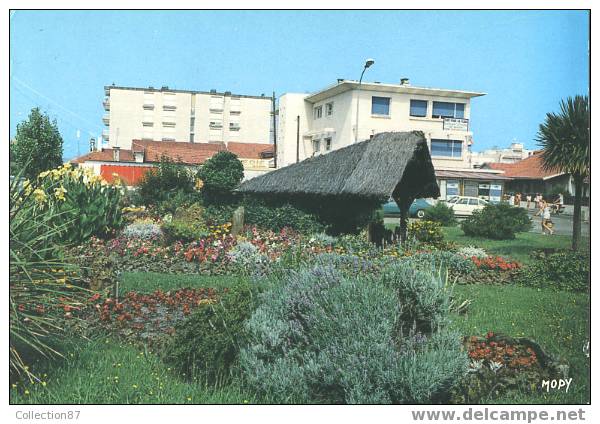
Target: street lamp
{"x": 368, "y": 63}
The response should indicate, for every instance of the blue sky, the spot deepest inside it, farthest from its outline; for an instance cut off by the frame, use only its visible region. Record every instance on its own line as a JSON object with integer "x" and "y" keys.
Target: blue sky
{"x": 526, "y": 61}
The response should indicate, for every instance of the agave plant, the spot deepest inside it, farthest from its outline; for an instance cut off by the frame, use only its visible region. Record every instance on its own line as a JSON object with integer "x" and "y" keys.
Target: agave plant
{"x": 41, "y": 296}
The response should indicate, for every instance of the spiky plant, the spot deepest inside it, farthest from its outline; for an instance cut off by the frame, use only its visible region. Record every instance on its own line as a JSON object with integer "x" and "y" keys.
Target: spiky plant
{"x": 41, "y": 296}
{"x": 565, "y": 140}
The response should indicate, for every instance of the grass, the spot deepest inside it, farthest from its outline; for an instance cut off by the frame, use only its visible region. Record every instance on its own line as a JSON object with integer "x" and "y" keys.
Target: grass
{"x": 145, "y": 282}
{"x": 519, "y": 248}
{"x": 105, "y": 371}
{"x": 559, "y": 321}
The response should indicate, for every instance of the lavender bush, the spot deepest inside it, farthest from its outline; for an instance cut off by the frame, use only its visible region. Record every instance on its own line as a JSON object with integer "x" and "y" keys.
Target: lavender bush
{"x": 326, "y": 337}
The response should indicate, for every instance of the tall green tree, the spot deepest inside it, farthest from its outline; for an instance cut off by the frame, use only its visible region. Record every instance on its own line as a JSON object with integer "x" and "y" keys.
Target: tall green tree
{"x": 565, "y": 140}
{"x": 38, "y": 145}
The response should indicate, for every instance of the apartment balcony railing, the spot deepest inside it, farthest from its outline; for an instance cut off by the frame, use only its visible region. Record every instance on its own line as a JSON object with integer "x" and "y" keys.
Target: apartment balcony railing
{"x": 105, "y": 135}
{"x": 106, "y": 119}
{"x": 106, "y": 104}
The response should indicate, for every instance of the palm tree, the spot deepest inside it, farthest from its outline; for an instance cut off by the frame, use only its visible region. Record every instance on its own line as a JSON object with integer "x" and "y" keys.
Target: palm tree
{"x": 565, "y": 140}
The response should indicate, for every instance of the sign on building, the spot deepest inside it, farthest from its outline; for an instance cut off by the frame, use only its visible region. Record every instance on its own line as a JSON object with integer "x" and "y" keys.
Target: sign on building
{"x": 495, "y": 192}
{"x": 456, "y": 124}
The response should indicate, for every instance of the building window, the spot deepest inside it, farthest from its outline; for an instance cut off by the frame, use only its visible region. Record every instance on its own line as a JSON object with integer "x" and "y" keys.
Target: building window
{"x": 168, "y": 139}
{"x": 316, "y": 145}
{"x": 446, "y": 148}
{"x": 234, "y": 126}
{"x": 380, "y": 106}
{"x": 147, "y": 124}
{"x": 448, "y": 110}
{"x": 148, "y": 106}
{"x": 191, "y": 137}
{"x": 452, "y": 188}
{"x": 418, "y": 108}
{"x": 215, "y": 125}
{"x": 328, "y": 143}
{"x": 318, "y": 112}
{"x": 169, "y": 107}
{"x": 168, "y": 124}
{"x": 192, "y": 123}
{"x": 235, "y": 112}
{"x": 329, "y": 109}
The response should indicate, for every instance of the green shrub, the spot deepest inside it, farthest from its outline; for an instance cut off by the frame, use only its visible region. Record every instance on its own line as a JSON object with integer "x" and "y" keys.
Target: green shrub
{"x": 221, "y": 173}
{"x": 497, "y": 221}
{"x": 82, "y": 204}
{"x": 206, "y": 344}
{"x": 322, "y": 337}
{"x": 187, "y": 225}
{"x": 441, "y": 213}
{"x": 563, "y": 270}
{"x": 427, "y": 232}
{"x": 277, "y": 217}
{"x": 168, "y": 182}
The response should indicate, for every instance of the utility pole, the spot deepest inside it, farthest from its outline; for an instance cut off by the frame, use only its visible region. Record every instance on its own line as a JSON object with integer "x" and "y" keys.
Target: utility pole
{"x": 298, "y": 139}
{"x": 274, "y": 132}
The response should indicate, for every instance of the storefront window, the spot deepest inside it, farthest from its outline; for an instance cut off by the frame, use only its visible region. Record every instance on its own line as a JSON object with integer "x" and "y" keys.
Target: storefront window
{"x": 495, "y": 192}
{"x": 452, "y": 188}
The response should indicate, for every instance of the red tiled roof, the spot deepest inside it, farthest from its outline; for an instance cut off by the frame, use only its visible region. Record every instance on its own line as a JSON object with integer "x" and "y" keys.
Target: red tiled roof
{"x": 530, "y": 168}
{"x": 188, "y": 153}
{"x": 105, "y": 155}
{"x": 251, "y": 150}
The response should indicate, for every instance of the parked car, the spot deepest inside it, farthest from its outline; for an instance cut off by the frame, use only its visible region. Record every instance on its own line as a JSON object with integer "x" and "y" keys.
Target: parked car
{"x": 465, "y": 205}
{"x": 417, "y": 208}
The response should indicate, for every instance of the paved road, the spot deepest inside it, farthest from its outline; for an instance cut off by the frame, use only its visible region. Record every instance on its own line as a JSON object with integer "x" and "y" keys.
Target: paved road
{"x": 563, "y": 224}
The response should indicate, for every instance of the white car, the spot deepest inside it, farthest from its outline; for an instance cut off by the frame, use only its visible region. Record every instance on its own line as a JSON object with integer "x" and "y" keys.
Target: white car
{"x": 465, "y": 205}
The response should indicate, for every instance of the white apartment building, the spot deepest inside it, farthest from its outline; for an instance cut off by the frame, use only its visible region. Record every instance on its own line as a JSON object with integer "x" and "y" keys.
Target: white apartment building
{"x": 312, "y": 124}
{"x": 515, "y": 153}
{"x": 185, "y": 116}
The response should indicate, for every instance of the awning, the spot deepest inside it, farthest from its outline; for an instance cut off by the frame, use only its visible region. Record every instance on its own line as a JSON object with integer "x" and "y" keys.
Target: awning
{"x": 468, "y": 175}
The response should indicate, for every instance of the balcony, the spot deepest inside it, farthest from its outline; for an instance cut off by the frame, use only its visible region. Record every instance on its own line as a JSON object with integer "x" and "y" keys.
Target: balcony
{"x": 106, "y": 119}
{"x": 106, "y": 104}
{"x": 105, "y": 136}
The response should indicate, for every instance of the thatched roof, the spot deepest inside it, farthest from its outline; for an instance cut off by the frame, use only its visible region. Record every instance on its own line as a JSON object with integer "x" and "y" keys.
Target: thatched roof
{"x": 389, "y": 163}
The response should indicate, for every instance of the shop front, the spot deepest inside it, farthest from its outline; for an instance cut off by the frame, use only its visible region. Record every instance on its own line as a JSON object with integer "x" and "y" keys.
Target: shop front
{"x": 484, "y": 185}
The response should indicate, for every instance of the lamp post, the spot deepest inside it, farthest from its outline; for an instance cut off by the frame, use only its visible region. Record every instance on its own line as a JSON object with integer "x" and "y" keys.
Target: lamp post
{"x": 368, "y": 63}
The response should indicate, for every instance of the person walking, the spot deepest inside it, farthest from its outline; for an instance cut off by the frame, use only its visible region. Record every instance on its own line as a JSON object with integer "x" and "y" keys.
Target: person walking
{"x": 544, "y": 211}
{"x": 528, "y": 198}
{"x": 511, "y": 199}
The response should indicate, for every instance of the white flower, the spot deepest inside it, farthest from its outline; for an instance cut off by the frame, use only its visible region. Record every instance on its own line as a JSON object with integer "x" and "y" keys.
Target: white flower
{"x": 475, "y": 365}
{"x": 495, "y": 366}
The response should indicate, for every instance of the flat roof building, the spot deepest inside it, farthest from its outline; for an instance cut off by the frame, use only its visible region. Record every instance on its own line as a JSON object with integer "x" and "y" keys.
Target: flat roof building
{"x": 165, "y": 114}
{"x": 348, "y": 112}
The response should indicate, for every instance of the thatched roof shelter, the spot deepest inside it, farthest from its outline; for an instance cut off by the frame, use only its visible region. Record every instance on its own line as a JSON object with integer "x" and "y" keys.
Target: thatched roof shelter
{"x": 391, "y": 164}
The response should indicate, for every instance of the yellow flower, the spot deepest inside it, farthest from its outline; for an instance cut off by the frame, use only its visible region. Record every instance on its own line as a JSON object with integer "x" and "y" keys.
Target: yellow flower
{"x": 59, "y": 193}
{"x": 44, "y": 383}
{"x": 134, "y": 386}
{"x": 44, "y": 174}
{"x": 39, "y": 195}
{"x": 26, "y": 392}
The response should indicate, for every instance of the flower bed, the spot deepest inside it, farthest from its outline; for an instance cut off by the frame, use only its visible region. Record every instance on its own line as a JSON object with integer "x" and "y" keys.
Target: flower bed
{"x": 500, "y": 363}
{"x": 148, "y": 318}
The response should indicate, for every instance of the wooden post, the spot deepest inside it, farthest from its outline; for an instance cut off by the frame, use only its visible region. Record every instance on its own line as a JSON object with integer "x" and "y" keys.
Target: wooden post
{"x": 237, "y": 224}
{"x": 403, "y": 205}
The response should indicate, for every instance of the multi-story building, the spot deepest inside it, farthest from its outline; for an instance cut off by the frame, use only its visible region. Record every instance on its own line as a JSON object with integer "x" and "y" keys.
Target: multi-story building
{"x": 515, "y": 153}
{"x": 347, "y": 112}
{"x": 182, "y": 115}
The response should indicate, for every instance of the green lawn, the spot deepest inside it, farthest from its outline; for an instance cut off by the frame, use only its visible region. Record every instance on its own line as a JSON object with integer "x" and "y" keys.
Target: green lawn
{"x": 106, "y": 371}
{"x": 559, "y": 321}
{"x": 150, "y": 281}
{"x": 518, "y": 249}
